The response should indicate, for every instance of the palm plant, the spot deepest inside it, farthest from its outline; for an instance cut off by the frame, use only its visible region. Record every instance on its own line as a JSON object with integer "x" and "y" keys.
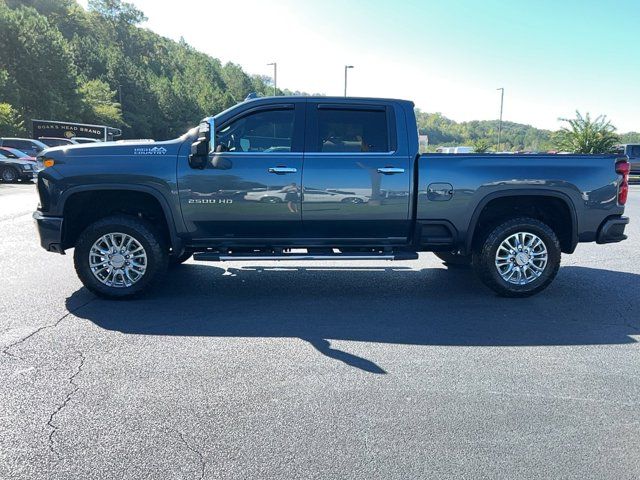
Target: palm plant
{"x": 480, "y": 145}
{"x": 584, "y": 135}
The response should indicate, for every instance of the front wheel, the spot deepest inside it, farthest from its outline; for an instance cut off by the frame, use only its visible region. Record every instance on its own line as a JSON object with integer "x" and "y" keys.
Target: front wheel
{"x": 120, "y": 256}
{"x": 518, "y": 258}
{"x": 8, "y": 174}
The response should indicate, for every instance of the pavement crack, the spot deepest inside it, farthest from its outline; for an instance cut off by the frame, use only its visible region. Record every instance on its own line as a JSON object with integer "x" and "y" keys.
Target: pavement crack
{"x": 203, "y": 463}
{"x": 58, "y": 409}
{"x": 5, "y": 350}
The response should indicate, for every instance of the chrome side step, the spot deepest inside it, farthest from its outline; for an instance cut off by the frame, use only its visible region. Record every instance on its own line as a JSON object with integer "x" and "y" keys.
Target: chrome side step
{"x": 217, "y": 257}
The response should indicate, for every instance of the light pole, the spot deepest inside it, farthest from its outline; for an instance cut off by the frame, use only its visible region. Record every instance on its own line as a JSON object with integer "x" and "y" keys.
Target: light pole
{"x": 346, "y": 67}
{"x": 500, "y": 124}
{"x": 120, "y": 100}
{"x": 275, "y": 77}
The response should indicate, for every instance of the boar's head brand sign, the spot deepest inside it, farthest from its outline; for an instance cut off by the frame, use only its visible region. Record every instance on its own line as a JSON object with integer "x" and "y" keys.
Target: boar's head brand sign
{"x": 50, "y": 128}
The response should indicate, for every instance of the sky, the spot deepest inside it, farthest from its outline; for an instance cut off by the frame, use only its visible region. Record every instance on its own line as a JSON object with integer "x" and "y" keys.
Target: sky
{"x": 551, "y": 56}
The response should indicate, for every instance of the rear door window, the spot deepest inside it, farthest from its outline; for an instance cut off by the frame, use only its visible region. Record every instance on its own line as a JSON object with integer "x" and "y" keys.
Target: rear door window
{"x": 351, "y": 130}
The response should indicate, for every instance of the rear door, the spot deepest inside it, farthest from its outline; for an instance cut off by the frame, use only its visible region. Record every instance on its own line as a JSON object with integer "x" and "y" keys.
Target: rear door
{"x": 356, "y": 179}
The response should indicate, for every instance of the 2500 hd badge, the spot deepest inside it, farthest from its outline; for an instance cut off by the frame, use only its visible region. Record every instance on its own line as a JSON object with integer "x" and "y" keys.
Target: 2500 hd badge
{"x": 210, "y": 200}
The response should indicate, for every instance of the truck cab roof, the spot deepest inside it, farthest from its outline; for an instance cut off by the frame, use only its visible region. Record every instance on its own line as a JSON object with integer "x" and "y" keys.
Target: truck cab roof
{"x": 321, "y": 98}
{"x": 259, "y": 101}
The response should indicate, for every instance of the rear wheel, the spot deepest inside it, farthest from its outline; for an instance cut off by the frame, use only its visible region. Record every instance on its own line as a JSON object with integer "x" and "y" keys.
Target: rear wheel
{"x": 454, "y": 259}
{"x": 8, "y": 174}
{"x": 518, "y": 258}
{"x": 120, "y": 256}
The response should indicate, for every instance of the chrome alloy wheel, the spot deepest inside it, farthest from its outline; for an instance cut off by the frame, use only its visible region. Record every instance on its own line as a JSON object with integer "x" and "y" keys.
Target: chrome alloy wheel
{"x": 118, "y": 260}
{"x": 521, "y": 258}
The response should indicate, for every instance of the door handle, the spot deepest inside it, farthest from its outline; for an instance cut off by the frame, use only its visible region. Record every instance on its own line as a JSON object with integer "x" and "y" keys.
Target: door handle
{"x": 282, "y": 170}
{"x": 390, "y": 170}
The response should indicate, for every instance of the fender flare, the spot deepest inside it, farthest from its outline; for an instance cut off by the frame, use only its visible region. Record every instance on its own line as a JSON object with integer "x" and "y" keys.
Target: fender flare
{"x": 176, "y": 242}
{"x": 525, "y": 192}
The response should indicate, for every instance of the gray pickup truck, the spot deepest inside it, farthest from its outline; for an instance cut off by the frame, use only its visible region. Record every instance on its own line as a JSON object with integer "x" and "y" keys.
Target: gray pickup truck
{"x": 307, "y": 178}
{"x": 632, "y": 152}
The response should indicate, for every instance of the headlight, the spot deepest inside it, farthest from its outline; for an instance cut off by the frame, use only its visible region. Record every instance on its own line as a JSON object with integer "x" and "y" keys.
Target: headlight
{"x": 27, "y": 167}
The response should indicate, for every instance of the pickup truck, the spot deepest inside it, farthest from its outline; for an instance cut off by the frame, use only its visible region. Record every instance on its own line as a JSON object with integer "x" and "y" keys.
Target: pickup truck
{"x": 307, "y": 178}
{"x": 632, "y": 152}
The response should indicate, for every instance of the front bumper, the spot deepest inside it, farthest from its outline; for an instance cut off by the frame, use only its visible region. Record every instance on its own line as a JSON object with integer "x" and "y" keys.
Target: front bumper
{"x": 50, "y": 232}
{"x": 28, "y": 175}
{"x": 612, "y": 230}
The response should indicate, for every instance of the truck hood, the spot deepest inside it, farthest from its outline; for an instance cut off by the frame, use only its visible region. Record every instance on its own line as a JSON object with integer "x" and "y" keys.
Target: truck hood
{"x": 114, "y": 149}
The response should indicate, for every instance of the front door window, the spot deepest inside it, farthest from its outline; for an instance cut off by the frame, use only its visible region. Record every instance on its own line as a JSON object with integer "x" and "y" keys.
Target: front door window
{"x": 261, "y": 132}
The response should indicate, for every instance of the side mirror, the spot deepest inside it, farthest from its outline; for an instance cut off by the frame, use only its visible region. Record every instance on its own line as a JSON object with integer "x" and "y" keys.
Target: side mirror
{"x": 200, "y": 148}
{"x": 199, "y": 154}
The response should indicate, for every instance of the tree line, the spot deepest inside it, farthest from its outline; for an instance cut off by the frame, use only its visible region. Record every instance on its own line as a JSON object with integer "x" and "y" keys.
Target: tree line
{"x": 59, "y": 61}
{"x": 582, "y": 134}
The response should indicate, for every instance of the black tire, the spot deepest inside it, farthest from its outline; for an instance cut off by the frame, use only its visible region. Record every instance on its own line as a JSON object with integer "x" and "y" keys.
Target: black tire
{"x": 180, "y": 259}
{"x": 9, "y": 174}
{"x": 144, "y": 233}
{"x": 484, "y": 257}
{"x": 454, "y": 259}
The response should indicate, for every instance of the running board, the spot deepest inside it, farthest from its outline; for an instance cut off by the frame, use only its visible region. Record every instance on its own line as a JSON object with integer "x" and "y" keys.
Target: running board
{"x": 217, "y": 257}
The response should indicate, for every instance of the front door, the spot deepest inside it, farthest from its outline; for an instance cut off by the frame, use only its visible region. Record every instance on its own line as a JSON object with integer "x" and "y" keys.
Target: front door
{"x": 356, "y": 181}
{"x": 251, "y": 185}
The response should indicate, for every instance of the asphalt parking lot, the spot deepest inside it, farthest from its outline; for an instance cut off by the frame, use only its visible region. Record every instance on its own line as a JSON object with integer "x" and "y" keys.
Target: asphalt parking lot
{"x": 317, "y": 370}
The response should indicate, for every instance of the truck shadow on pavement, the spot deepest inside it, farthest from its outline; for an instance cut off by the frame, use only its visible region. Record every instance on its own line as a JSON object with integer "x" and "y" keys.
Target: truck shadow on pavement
{"x": 396, "y": 305}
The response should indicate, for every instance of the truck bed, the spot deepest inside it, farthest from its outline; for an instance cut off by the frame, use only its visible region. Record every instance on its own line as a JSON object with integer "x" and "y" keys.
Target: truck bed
{"x": 452, "y": 189}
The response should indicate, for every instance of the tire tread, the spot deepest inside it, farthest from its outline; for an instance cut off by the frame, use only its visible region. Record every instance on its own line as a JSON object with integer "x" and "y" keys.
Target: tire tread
{"x": 158, "y": 253}
{"x": 483, "y": 260}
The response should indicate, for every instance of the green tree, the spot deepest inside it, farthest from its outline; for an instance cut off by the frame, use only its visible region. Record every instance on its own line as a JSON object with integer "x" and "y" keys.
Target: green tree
{"x": 584, "y": 135}
{"x": 100, "y": 104}
{"x": 40, "y": 76}
{"x": 481, "y": 145}
{"x": 630, "y": 137}
{"x": 11, "y": 125}
{"x": 117, "y": 11}
{"x": 238, "y": 83}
